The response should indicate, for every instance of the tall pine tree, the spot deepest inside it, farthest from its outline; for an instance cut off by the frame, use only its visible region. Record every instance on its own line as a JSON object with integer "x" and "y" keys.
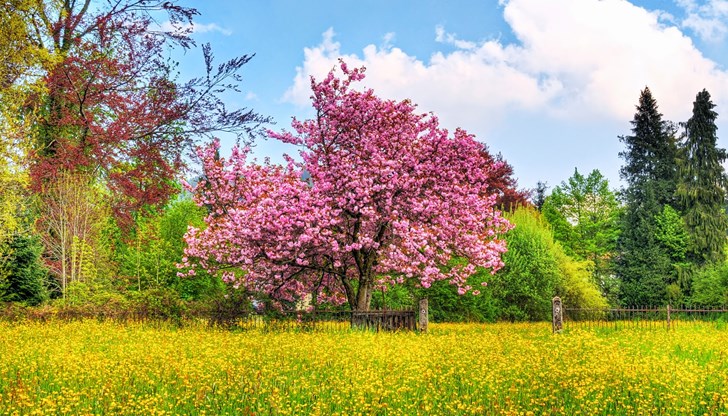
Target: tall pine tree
{"x": 650, "y": 172}
{"x": 702, "y": 187}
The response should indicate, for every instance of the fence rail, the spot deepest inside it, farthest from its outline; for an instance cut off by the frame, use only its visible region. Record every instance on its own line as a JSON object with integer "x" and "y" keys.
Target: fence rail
{"x": 326, "y": 320}
{"x": 640, "y": 316}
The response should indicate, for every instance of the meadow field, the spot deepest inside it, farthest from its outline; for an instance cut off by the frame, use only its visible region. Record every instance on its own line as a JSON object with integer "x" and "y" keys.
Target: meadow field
{"x": 90, "y": 367}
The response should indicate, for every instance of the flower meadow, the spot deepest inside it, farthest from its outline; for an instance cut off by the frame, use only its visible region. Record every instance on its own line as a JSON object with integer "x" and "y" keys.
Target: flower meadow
{"x": 91, "y": 367}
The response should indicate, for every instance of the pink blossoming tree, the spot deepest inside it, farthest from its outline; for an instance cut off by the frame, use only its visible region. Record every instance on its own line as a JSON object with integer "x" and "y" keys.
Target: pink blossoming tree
{"x": 381, "y": 195}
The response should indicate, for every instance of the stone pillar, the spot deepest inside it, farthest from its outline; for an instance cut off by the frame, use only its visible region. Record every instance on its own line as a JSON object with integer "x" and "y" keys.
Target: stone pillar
{"x": 424, "y": 315}
{"x": 557, "y": 314}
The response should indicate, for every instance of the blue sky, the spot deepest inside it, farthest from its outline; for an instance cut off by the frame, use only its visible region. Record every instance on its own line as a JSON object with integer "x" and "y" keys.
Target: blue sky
{"x": 549, "y": 84}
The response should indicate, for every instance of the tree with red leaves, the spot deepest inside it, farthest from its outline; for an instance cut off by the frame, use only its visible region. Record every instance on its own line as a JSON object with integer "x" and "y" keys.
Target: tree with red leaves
{"x": 97, "y": 100}
{"x": 109, "y": 107}
{"x": 504, "y": 185}
{"x": 383, "y": 195}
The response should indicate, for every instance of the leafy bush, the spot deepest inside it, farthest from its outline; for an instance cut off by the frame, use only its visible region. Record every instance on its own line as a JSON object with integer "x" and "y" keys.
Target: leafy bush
{"x": 710, "y": 286}
{"x": 536, "y": 269}
{"x": 158, "y": 303}
{"x": 525, "y": 285}
{"x": 578, "y": 288}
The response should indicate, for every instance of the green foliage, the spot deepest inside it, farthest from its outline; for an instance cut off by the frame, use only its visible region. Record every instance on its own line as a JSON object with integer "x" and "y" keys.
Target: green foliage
{"x": 710, "y": 286}
{"x": 525, "y": 285}
{"x": 22, "y": 276}
{"x": 584, "y": 215}
{"x": 536, "y": 269}
{"x": 675, "y": 241}
{"x": 150, "y": 259}
{"x": 671, "y": 233}
{"x": 451, "y": 307}
{"x": 394, "y": 297}
{"x": 446, "y": 305}
{"x": 12, "y": 198}
{"x": 643, "y": 263}
{"x": 578, "y": 288}
{"x": 159, "y": 303}
{"x": 646, "y": 265}
{"x": 702, "y": 187}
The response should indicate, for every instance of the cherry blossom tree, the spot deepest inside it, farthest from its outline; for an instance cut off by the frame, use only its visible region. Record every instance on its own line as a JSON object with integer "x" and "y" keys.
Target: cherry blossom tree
{"x": 381, "y": 195}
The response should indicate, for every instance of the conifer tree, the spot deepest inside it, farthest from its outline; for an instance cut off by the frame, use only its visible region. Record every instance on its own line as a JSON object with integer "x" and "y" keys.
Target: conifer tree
{"x": 650, "y": 172}
{"x": 702, "y": 187}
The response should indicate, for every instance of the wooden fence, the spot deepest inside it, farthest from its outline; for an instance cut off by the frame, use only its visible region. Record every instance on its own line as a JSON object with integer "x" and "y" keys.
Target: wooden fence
{"x": 665, "y": 317}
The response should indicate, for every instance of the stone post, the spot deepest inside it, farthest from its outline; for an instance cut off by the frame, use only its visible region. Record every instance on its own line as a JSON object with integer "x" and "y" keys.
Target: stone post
{"x": 557, "y": 314}
{"x": 424, "y": 315}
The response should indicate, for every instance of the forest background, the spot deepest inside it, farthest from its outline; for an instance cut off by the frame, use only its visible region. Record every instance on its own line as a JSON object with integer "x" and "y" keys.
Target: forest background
{"x": 97, "y": 133}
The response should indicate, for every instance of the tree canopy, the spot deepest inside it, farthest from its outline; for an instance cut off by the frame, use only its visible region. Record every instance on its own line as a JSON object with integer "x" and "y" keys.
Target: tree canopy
{"x": 388, "y": 196}
{"x": 98, "y": 95}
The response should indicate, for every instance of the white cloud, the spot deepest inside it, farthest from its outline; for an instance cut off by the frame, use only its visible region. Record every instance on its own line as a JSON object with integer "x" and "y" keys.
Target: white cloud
{"x": 574, "y": 60}
{"x": 195, "y": 28}
{"x": 388, "y": 40}
{"x": 450, "y": 38}
{"x": 708, "y": 19}
{"x": 462, "y": 80}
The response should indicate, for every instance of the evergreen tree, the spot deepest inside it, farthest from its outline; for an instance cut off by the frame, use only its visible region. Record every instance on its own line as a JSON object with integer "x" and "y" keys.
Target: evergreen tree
{"x": 645, "y": 266}
{"x": 702, "y": 188}
{"x": 540, "y": 195}
{"x": 23, "y": 274}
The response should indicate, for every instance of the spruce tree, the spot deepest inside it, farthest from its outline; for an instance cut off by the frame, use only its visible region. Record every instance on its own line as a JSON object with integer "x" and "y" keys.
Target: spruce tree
{"x": 540, "y": 195}
{"x": 24, "y": 275}
{"x": 650, "y": 172}
{"x": 702, "y": 187}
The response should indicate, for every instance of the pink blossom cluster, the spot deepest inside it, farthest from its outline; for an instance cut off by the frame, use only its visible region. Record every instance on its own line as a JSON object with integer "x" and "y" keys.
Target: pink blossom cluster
{"x": 381, "y": 195}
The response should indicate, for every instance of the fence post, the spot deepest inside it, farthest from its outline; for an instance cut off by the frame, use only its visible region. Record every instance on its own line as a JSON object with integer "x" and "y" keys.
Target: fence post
{"x": 668, "y": 316}
{"x": 557, "y": 315}
{"x": 424, "y": 315}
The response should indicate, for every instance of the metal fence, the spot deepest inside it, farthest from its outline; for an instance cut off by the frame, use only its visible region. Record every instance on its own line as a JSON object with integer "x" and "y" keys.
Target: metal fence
{"x": 236, "y": 319}
{"x": 665, "y": 317}
{"x": 319, "y": 320}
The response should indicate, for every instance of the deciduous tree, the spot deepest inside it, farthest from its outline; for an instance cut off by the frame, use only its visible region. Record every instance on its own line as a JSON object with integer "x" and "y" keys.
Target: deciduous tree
{"x": 149, "y": 260}
{"x": 388, "y": 196}
{"x": 584, "y": 214}
{"x": 70, "y": 228}
{"x": 505, "y": 185}
{"x": 107, "y": 103}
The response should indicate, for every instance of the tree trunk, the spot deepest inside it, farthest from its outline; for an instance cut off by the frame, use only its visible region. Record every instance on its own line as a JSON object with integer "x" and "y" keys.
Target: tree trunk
{"x": 364, "y": 294}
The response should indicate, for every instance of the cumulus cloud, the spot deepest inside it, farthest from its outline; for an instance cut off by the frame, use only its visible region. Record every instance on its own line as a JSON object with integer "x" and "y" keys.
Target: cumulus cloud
{"x": 478, "y": 85}
{"x": 573, "y": 59}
